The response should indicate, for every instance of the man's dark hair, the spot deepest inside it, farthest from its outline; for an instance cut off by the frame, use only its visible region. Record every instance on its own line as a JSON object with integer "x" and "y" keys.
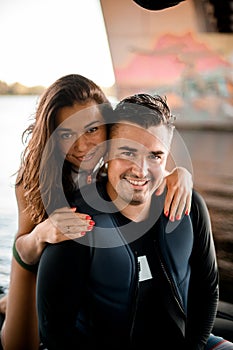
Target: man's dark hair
{"x": 144, "y": 110}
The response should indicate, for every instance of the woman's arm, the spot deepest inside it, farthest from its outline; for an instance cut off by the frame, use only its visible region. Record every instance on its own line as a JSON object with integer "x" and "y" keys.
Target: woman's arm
{"x": 62, "y": 225}
{"x": 20, "y": 328}
{"x": 179, "y": 184}
{"x": 3, "y": 302}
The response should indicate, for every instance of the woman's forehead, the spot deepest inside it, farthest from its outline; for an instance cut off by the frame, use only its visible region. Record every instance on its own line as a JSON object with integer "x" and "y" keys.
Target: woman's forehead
{"x": 79, "y": 116}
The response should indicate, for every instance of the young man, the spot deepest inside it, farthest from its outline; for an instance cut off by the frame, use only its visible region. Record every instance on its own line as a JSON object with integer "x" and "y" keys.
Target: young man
{"x": 136, "y": 280}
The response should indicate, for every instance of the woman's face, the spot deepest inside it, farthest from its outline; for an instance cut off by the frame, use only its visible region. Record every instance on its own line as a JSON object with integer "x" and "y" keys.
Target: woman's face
{"x": 82, "y": 134}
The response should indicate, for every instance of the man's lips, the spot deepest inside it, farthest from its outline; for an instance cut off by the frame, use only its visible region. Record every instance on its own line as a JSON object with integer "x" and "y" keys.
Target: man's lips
{"x": 136, "y": 182}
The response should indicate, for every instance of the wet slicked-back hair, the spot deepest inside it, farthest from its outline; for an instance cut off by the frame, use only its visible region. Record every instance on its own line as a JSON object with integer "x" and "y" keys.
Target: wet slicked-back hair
{"x": 144, "y": 110}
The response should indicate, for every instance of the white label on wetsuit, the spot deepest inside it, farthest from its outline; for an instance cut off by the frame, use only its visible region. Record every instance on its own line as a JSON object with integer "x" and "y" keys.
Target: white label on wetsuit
{"x": 144, "y": 269}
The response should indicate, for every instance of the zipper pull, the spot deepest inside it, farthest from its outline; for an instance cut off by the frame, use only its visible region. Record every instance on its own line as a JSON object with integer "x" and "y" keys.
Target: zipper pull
{"x": 89, "y": 179}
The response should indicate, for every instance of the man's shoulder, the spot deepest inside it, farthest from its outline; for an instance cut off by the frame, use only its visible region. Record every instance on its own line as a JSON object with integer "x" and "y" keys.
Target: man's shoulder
{"x": 199, "y": 209}
{"x": 198, "y": 199}
{"x": 91, "y": 199}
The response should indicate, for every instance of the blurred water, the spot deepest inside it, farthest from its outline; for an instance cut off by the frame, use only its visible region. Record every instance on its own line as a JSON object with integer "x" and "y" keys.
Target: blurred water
{"x": 15, "y": 114}
{"x": 212, "y": 161}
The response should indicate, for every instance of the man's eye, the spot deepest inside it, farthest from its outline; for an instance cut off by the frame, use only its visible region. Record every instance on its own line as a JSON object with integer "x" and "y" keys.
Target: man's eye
{"x": 91, "y": 130}
{"x": 154, "y": 157}
{"x": 128, "y": 154}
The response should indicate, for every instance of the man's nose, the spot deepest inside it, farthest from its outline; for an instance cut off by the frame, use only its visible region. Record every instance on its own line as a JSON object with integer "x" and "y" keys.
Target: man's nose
{"x": 140, "y": 167}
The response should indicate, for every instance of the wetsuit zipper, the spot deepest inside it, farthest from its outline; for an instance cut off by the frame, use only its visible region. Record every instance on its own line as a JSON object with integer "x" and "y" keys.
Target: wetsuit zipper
{"x": 169, "y": 279}
{"x": 135, "y": 304}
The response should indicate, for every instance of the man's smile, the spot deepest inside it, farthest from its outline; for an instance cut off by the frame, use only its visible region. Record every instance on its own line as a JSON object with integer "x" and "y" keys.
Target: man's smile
{"x": 136, "y": 182}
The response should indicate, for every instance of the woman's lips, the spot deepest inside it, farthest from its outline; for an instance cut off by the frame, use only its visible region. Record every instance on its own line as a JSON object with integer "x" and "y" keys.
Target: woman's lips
{"x": 84, "y": 158}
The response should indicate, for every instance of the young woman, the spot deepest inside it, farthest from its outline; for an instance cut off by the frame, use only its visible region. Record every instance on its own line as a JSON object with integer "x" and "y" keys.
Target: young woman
{"x": 59, "y": 158}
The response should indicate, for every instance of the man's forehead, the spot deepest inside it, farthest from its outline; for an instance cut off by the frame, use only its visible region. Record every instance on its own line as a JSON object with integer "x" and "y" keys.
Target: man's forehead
{"x": 137, "y": 133}
{"x": 137, "y": 138}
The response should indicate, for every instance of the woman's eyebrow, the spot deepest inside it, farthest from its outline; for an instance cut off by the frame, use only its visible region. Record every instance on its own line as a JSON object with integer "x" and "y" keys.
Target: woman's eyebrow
{"x": 63, "y": 129}
{"x": 92, "y": 123}
{"x": 85, "y": 126}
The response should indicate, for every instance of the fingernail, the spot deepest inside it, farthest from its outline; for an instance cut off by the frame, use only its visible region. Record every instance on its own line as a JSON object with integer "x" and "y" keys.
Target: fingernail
{"x": 177, "y": 217}
{"x": 166, "y": 213}
{"x": 73, "y": 209}
{"x": 90, "y": 227}
{"x": 83, "y": 233}
{"x": 171, "y": 218}
{"x": 92, "y": 222}
{"x": 186, "y": 212}
{"x": 88, "y": 217}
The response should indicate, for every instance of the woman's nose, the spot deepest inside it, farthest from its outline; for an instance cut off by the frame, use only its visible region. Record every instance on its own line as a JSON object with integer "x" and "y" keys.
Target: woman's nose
{"x": 81, "y": 144}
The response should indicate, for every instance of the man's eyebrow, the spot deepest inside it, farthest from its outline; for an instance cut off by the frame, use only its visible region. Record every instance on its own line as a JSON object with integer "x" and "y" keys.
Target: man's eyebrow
{"x": 131, "y": 149}
{"x": 127, "y": 148}
{"x": 157, "y": 152}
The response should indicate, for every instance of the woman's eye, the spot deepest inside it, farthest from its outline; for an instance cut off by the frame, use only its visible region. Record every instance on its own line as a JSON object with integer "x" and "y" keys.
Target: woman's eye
{"x": 66, "y": 136}
{"x": 91, "y": 130}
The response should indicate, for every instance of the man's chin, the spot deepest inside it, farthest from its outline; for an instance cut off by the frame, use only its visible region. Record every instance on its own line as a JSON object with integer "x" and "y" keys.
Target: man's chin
{"x": 136, "y": 202}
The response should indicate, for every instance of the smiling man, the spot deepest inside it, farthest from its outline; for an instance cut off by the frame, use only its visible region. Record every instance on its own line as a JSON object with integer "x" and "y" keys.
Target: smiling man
{"x": 137, "y": 158}
{"x": 130, "y": 283}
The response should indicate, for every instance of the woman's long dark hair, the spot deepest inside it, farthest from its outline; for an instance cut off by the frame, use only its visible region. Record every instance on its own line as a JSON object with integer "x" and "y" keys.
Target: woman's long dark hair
{"x": 66, "y": 91}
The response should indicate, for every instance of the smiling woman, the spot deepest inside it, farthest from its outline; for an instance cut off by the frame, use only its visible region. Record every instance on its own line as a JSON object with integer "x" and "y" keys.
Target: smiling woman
{"x": 81, "y": 134}
{"x": 54, "y": 38}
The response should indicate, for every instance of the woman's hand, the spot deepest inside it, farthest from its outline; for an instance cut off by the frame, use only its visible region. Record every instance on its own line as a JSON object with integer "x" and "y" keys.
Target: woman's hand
{"x": 179, "y": 193}
{"x": 63, "y": 224}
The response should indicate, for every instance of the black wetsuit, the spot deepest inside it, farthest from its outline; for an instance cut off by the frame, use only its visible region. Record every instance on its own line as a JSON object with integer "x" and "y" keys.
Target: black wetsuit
{"x": 89, "y": 292}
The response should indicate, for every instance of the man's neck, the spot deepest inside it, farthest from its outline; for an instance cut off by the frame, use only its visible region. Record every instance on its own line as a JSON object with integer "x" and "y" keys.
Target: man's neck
{"x": 137, "y": 213}
{"x": 134, "y": 212}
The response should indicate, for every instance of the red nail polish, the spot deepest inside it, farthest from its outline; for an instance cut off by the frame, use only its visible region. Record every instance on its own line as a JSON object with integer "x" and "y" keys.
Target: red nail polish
{"x": 92, "y": 222}
{"x": 88, "y": 217}
{"x": 186, "y": 212}
{"x": 166, "y": 213}
{"x": 83, "y": 233}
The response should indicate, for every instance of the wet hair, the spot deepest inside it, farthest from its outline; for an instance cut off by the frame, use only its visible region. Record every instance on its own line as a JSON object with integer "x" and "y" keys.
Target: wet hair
{"x": 66, "y": 91}
{"x": 144, "y": 110}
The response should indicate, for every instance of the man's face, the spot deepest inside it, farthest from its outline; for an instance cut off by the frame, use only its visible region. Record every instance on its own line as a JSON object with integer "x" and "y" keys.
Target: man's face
{"x": 137, "y": 159}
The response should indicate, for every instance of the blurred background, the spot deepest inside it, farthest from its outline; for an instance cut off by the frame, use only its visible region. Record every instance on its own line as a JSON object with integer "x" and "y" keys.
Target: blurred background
{"x": 183, "y": 50}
